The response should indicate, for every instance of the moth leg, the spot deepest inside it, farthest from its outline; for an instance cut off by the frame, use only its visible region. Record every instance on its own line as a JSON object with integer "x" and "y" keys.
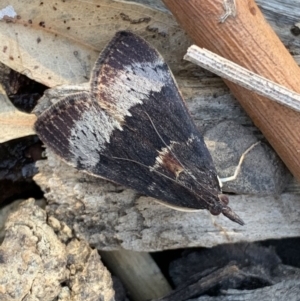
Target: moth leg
{"x": 230, "y": 10}
{"x": 238, "y": 168}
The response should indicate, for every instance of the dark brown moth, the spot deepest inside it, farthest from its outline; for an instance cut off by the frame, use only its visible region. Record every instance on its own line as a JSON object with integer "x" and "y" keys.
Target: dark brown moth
{"x": 134, "y": 129}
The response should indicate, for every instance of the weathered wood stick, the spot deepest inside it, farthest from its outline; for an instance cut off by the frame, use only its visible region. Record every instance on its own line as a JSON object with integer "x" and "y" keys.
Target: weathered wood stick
{"x": 249, "y": 41}
{"x": 139, "y": 273}
{"x": 242, "y": 76}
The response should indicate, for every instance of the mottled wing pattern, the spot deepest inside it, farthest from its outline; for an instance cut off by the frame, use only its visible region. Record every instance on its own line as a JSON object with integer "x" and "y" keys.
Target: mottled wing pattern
{"x": 75, "y": 128}
{"x": 134, "y": 129}
{"x": 132, "y": 82}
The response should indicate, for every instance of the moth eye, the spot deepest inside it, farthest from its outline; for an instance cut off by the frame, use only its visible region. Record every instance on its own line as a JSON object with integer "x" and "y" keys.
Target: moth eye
{"x": 224, "y": 200}
{"x": 215, "y": 210}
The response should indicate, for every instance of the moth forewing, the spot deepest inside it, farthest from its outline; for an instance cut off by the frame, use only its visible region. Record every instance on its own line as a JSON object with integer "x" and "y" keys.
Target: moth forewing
{"x": 133, "y": 128}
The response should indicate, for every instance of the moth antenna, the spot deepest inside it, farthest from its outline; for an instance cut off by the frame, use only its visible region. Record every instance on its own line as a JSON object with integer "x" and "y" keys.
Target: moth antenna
{"x": 227, "y": 211}
{"x": 238, "y": 168}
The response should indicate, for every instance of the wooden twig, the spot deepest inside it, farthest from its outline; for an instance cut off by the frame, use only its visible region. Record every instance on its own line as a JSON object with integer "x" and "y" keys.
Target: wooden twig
{"x": 203, "y": 284}
{"x": 245, "y": 78}
{"x": 138, "y": 272}
{"x": 249, "y": 41}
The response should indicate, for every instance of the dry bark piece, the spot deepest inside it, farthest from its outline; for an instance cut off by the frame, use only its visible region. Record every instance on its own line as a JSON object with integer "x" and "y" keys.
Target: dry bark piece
{"x": 33, "y": 260}
{"x": 110, "y": 217}
{"x": 258, "y": 267}
{"x": 204, "y": 284}
{"x": 285, "y": 290}
{"x": 36, "y": 265}
{"x": 9, "y": 209}
{"x": 255, "y": 261}
{"x": 89, "y": 279}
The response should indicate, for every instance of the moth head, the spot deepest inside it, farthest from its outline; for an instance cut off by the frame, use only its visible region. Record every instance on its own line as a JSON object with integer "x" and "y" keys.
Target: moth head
{"x": 222, "y": 207}
{"x": 217, "y": 208}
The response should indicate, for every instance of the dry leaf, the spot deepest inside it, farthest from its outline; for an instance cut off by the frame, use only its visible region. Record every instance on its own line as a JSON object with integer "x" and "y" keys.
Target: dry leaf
{"x": 13, "y": 123}
{"x": 57, "y": 43}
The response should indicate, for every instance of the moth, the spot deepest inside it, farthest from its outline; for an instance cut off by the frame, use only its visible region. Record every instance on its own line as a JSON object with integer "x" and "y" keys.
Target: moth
{"x": 134, "y": 129}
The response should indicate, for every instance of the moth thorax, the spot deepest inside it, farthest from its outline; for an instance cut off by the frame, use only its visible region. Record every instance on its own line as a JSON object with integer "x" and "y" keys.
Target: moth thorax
{"x": 224, "y": 200}
{"x": 219, "y": 207}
